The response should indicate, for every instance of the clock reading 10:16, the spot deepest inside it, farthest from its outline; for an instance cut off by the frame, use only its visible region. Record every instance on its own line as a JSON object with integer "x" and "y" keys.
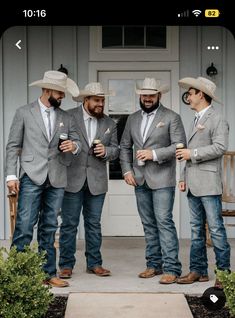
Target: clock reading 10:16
{"x": 29, "y": 13}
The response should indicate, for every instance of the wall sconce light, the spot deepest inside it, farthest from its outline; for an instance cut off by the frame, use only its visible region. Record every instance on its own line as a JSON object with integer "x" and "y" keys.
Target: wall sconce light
{"x": 211, "y": 71}
{"x": 184, "y": 98}
{"x": 63, "y": 69}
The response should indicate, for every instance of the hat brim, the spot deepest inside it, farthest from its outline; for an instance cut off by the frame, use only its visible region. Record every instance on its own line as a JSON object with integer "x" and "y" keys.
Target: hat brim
{"x": 188, "y": 82}
{"x": 163, "y": 89}
{"x": 84, "y": 93}
{"x": 71, "y": 87}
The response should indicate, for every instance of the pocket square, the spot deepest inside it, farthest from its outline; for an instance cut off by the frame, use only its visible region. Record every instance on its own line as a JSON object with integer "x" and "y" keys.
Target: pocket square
{"x": 107, "y": 131}
{"x": 61, "y": 124}
{"x": 200, "y": 127}
{"x": 161, "y": 124}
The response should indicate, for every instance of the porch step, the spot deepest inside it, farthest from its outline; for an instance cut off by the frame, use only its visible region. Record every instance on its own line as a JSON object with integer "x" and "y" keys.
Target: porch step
{"x": 127, "y": 305}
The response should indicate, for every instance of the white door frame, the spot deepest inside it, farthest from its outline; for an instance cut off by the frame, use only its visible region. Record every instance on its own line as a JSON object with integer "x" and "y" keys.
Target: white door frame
{"x": 95, "y": 67}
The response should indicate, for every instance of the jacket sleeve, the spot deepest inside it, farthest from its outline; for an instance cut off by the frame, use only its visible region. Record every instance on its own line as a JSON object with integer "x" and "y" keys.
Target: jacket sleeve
{"x": 177, "y": 135}
{"x": 126, "y": 145}
{"x": 14, "y": 144}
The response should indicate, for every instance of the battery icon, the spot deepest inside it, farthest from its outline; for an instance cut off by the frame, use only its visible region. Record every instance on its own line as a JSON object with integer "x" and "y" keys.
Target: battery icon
{"x": 212, "y": 13}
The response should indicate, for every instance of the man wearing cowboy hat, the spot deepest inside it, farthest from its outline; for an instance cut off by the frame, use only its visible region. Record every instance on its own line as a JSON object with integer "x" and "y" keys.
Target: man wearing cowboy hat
{"x": 33, "y": 139}
{"x": 154, "y": 131}
{"x": 87, "y": 181}
{"x": 201, "y": 177}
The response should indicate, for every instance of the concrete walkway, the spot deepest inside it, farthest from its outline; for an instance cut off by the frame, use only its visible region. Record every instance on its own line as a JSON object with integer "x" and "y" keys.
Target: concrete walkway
{"x": 125, "y": 258}
{"x": 131, "y": 305}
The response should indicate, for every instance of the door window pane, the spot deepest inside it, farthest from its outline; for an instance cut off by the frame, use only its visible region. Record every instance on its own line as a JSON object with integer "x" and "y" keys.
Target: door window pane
{"x": 124, "y": 99}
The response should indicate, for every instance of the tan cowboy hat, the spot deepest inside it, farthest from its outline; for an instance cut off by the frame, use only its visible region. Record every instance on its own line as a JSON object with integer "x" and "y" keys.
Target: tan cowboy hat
{"x": 92, "y": 89}
{"x": 57, "y": 81}
{"x": 201, "y": 83}
{"x": 151, "y": 86}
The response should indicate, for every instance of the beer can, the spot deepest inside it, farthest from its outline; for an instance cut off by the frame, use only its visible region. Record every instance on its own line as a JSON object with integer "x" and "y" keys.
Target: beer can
{"x": 62, "y": 138}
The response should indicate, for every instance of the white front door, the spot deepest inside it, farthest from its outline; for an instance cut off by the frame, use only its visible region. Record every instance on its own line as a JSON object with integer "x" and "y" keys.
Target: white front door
{"x": 120, "y": 216}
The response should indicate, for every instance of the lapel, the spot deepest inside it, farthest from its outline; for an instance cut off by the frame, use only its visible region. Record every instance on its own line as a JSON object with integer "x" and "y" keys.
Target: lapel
{"x": 100, "y": 128}
{"x": 36, "y": 112}
{"x": 137, "y": 124}
{"x": 58, "y": 120}
{"x": 81, "y": 124}
{"x": 202, "y": 121}
{"x": 157, "y": 119}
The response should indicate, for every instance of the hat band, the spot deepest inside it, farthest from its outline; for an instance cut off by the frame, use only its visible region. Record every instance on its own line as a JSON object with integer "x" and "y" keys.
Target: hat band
{"x": 149, "y": 89}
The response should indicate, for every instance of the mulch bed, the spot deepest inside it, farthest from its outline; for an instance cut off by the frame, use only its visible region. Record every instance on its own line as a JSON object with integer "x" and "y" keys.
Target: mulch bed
{"x": 58, "y": 306}
{"x": 200, "y": 311}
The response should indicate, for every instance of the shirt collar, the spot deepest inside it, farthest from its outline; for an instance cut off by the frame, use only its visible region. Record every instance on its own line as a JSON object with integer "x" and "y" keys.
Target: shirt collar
{"x": 153, "y": 112}
{"x": 43, "y": 107}
{"x": 202, "y": 112}
{"x": 85, "y": 114}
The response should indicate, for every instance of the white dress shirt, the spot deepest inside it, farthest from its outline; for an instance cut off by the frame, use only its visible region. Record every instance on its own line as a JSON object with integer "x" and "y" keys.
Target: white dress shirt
{"x": 199, "y": 114}
{"x": 202, "y": 112}
{"x": 145, "y": 130}
{"x": 86, "y": 117}
{"x": 43, "y": 109}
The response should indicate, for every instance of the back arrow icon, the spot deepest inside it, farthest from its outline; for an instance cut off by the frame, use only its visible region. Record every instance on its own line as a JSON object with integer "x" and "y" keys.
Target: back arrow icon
{"x": 18, "y": 44}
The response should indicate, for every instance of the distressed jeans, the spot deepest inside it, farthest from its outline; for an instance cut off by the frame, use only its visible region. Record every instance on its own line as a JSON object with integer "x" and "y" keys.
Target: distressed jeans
{"x": 38, "y": 203}
{"x": 201, "y": 209}
{"x": 155, "y": 210}
{"x": 91, "y": 206}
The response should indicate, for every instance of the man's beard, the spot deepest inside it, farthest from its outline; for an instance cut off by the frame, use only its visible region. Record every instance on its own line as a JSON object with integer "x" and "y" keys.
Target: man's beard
{"x": 54, "y": 102}
{"x": 149, "y": 109}
{"x": 96, "y": 114}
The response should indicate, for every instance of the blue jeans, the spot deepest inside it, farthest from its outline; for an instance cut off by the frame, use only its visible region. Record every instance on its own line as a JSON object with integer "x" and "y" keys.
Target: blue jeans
{"x": 155, "y": 210}
{"x": 201, "y": 209}
{"x": 38, "y": 203}
{"x": 91, "y": 206}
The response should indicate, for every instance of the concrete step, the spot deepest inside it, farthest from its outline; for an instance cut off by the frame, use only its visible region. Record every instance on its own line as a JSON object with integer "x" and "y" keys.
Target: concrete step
{"x": 127, "y": 305}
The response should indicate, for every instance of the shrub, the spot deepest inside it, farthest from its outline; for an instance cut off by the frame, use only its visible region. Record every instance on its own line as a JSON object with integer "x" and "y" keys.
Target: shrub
{"x": 228, "y": 281}
{"x": 22, "y": 293}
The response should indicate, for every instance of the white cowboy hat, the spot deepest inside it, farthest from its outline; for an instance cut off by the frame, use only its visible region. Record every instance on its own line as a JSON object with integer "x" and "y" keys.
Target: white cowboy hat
{"x": 57, "y": 81}
{"x": 151, "y": 87}
{"x": 202, "y": 84}
{"x": 92, "y": 89}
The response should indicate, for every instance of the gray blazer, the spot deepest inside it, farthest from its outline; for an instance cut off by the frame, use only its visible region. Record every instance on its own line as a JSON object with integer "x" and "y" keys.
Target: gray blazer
{"x": 87, "y": 166}
{"x": 208, "y": 142}
{"x": 164, "y": 133}
{"x": 37, "y": 155}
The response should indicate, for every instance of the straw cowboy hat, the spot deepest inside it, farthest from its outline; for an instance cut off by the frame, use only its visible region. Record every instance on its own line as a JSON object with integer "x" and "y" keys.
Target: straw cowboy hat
{"x": 202, "y": 84}
{"x": 151, "y": 87}
{"x": 92, "y": 89}
{"x": 57, "y": 81}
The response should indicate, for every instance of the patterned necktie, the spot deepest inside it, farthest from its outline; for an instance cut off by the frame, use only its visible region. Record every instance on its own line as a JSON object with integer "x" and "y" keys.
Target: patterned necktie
{"x": 49, "y": 122}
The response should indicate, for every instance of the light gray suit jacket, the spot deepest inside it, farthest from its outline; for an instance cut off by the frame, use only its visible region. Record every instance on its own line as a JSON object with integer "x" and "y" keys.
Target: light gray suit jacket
{"x": 87, "y": 166}
{"x": 164, "y": 133}
{"x": 208, "y": 142}
{"x": 38, "y": 156}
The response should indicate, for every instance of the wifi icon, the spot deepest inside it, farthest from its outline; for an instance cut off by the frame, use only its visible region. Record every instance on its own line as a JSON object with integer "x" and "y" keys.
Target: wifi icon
{"x": 196, "y": 12}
